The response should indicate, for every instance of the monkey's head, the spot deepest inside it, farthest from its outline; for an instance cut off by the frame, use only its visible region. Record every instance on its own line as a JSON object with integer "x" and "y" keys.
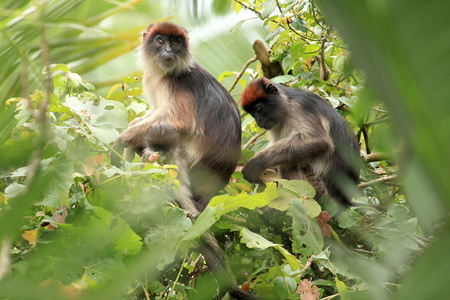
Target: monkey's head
{"x": 165, "y": 46}
{"x": 262, "y": 99}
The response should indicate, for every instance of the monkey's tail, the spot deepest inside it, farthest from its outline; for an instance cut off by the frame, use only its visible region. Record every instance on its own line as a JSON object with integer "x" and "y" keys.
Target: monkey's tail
{"x": 215, "y": 259}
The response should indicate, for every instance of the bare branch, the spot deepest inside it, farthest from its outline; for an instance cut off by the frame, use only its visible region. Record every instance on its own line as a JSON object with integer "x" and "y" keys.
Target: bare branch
{"x": 253, "y": 59}
{"x": 379, "y": 180}
{"x": 253, "y": 139}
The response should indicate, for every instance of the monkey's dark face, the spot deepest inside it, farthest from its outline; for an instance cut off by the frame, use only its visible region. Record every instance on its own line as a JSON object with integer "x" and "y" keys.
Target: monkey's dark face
{"x": 266, "y": 114}
{"x": 169, "y": 50}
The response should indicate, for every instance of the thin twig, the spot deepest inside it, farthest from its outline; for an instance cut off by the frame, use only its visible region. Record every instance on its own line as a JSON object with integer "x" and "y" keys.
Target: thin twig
{"x": 254, "y": 138}
{"x": 253, "y": 59}
{"x": 306, "y": 266}
{"x": 178, "y": 277}
{"x": 378, "y": 156}
{"x": 374, "y": 122}
{"x": 383, "y": 179}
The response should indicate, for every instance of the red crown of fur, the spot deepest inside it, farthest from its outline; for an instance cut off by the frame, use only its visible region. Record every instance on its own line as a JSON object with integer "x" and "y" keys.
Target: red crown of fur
{"x": 168, "y": 29}
{"x": 254, "y": 91}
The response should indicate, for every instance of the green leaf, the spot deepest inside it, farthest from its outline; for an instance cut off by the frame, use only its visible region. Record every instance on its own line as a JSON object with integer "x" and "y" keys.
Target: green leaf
{"x": 226, "y": 74}
{"x": 206, "y": 219}
{"x": 284, "y": 286}
{"x": 269, "y": 7}
{"x": 60, "y": 67}
{"x": 231, "y": 203}
{"x": 14, "y": 190}
{"x": 301, "y": 188}
{"x": 311, "y": 49}
{"x": 307, "y": 235}
{"x": 283, "y": 78}
{"x": 253, "y": 240}
{"x": 103, "y": 119}
{"x": 297, "y": 50}
{"x": 59, "y": 176}
{"x": 166, "y": 233}
{"x": 290, "y": 258}
{"x": 123, "y": 238}
{"x": 342, "y": 289}
{"x": 339, "y": 63}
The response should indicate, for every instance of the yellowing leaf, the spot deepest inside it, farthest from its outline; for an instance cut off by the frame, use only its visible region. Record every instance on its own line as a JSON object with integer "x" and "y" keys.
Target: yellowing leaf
{"x": 291, "y": 259}
{"x": 312, "y": 207}
{"x": 112, "y": 89}
{"x": 30, "y": 236}
{"x": 342, "y": 289}
{"x": 244, "y": 187}
{"x": 237, "y": 7}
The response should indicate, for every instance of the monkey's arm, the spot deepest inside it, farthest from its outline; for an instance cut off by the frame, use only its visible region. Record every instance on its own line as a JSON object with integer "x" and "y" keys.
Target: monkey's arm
{"x": 292, "y": 150}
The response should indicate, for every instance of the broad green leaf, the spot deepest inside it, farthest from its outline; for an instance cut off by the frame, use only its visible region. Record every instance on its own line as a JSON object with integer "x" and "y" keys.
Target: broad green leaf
{"x": 307, "y": 235}
{"x": 301, "y": 188}
{"x": 311, "y": 49}
{"x": 123, "y": 238}
{"x": 285, "y": 286}
{"x": 103, "y": 119}
{"x": 339, "y": 63}
{"x": 297, "y": 50}
{"x": 206, "y": 219}
{"x": 342, "y": 289}
{"x": 14, "y": 189}
{"x": 59, "y": 176}
{"x": 230, "y": 203}
{"x": 166, "y": 234}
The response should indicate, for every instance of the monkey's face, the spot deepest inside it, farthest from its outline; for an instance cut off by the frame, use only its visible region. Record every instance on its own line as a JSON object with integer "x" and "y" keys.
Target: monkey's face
{"x": 167, "y": 51}
{"x": 265, "y": 115}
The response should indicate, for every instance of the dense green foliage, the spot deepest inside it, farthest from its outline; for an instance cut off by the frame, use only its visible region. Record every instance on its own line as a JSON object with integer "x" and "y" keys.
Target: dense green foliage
{"x": 73, "y": 226}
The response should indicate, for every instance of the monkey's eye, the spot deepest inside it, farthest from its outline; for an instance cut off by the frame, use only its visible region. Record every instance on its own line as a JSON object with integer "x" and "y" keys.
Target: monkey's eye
{"x": 176, "y": 44}
{"x": 258, "y": 109}
{"x": 161, "y": 41}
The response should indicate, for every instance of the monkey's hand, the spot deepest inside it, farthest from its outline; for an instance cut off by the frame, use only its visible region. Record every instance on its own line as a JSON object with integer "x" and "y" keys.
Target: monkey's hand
{"x": 149, "y": 156}
{"x": 252, "y": 170}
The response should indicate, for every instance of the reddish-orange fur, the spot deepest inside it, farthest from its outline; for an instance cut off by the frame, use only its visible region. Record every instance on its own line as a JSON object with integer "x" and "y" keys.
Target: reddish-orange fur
{"x": 254, "y": 91}
{"x": 169, "y": 29}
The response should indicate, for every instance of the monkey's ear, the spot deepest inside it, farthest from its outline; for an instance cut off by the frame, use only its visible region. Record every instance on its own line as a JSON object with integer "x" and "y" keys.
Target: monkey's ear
{"x": 271, "y": 89}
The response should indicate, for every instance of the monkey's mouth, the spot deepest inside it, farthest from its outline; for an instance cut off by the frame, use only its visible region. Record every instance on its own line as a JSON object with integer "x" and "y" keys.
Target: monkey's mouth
{"x": 168, "y": 61}
{"x": 268, "y": 125}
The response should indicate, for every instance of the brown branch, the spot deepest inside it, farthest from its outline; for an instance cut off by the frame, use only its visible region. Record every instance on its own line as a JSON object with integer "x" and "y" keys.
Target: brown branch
{"x": 379, "y": 180}
{"x": 270, "y": 69}
{"x": 253, "y": 59}
{"x": 254, "y": 138}
{"x": 306, "y": 267}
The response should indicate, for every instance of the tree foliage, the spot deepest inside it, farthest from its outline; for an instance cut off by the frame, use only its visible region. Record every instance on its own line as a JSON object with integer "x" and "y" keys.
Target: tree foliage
{"x": 74, "y": 226}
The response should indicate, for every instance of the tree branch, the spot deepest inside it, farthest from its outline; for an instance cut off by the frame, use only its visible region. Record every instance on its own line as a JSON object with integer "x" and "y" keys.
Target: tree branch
{"x": 379, "y": 180}
{"x": 254, "y": 138}
{"x": 253, "y": 59}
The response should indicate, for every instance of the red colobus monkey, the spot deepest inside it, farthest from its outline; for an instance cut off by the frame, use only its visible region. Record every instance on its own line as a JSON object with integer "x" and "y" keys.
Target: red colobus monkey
{"x": 195, "y": 121}
{"x": 189, "y": 100}
{"x": 309, "y": 139}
